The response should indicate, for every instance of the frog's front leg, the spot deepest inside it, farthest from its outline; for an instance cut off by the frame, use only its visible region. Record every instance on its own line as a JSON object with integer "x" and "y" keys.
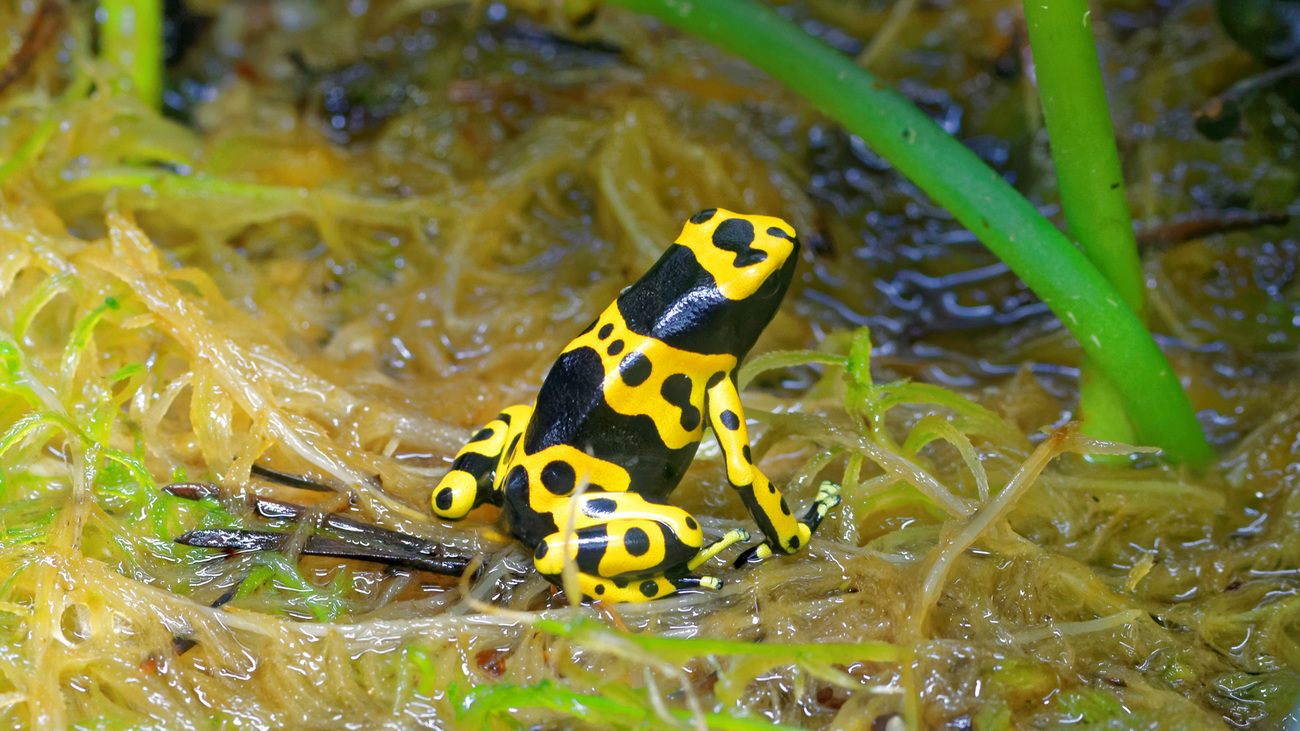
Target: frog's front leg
{"x": 766, "y": 505}
{"x": 471, "y": 481}
{"x": 627, "y": 548}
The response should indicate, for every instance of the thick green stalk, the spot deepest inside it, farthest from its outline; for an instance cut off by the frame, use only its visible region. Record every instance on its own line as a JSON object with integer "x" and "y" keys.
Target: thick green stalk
{"x": 1089, "y": 175}
{"x": 131, "y": 37}
{"x": 1094, "y": 312}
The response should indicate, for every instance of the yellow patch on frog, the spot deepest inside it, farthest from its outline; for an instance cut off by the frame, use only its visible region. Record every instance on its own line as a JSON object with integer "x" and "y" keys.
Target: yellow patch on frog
{"x": 488, "y": 446}
{"x": 667, "y": 386}
{"x": 616, "y": 559}
{"x": 555, "y": 473}
{"x": 635, "y": 591}
{"x": 738, "y": 283}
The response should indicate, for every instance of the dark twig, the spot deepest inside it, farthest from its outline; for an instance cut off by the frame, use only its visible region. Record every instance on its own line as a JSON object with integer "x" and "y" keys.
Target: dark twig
{"x": 280, "y": 510}
{"x": 288, "y": 480}
{"x": 250, "y": 540}
{"x": 1199, "y": 224}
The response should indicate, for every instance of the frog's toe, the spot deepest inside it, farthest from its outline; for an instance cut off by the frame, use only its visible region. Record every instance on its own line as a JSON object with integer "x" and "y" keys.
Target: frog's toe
{"x": 712, "y": 583}
{"x": 753, "y": 555}
{"x": 828, "y": 493}
{"x": 738, "y": 535}
{"x": 828, "y": 496}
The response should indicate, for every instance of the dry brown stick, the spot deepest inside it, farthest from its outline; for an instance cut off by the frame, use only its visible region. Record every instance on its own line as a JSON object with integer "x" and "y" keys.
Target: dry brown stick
{"x": 1199, "y": 224}
{"x": 46, "y": 23}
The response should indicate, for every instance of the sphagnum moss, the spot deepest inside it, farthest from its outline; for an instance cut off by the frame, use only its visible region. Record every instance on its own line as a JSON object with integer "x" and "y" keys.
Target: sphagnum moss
{"x": 219, "y": 331}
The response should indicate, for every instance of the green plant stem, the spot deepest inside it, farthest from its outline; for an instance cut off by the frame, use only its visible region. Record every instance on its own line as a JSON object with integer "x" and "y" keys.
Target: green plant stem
{"x": 1089, "y": 175}
{"x": 131, "y": 37}
{"x": 1093, "y": 311}
{"x": 1083, "y": 143}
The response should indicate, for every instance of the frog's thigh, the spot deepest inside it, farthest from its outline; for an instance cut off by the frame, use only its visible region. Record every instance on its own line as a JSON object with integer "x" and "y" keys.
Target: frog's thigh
{"x": 622, "y": 535}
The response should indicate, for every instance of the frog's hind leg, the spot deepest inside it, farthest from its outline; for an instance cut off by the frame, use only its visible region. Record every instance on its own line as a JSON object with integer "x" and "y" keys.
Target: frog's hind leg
{"x": 627, "y": 547}
{"x": 471, "y": 481}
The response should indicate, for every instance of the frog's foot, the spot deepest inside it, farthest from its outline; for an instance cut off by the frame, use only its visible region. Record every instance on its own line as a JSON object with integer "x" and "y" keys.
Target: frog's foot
{"x": 730, "y": 539}
{"x": 644, "y": 588}
{"x": 645, "y": 539}
{"x": 625, "y": 547}
{"x": 828, "y": 496}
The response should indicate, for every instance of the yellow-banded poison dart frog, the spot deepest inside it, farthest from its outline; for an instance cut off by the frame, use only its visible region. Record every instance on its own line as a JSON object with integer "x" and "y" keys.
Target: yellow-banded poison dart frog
{"x": 622, "y": 412}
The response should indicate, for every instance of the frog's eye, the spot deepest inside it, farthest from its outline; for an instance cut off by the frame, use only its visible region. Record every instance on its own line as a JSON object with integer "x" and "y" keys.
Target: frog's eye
{"x": 703, "y": 216}
{"x": 770, "y": 287}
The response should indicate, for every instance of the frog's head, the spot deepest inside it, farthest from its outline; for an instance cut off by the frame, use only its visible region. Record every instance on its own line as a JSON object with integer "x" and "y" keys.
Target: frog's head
{"x": 746, "y": 255}
{"x": 717, "y": 288}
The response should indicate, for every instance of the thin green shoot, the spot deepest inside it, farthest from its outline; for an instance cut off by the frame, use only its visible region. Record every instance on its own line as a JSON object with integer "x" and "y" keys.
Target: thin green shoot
{"x": 874, "y": 400}
{"x": 582, "y": 630}
{"x": 975, "y": 419}
{"x": 901, "y": 496}
{"x": 1090, "y": 178}
{"x": 33, "y": 425}
{"x": 778, "y": 359}
{"x": 851, "y": 491}
{"x": 277, "y": 574}
{"x": 933, "y": 427}
{"x": 616, "y": 707}
{"x": 131, "y": 38}
{"x": 52, "y": 287}
{"x": 77, "y": 344}
{"x": 424, "y": 667}
{"x": 127, "y": 371}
